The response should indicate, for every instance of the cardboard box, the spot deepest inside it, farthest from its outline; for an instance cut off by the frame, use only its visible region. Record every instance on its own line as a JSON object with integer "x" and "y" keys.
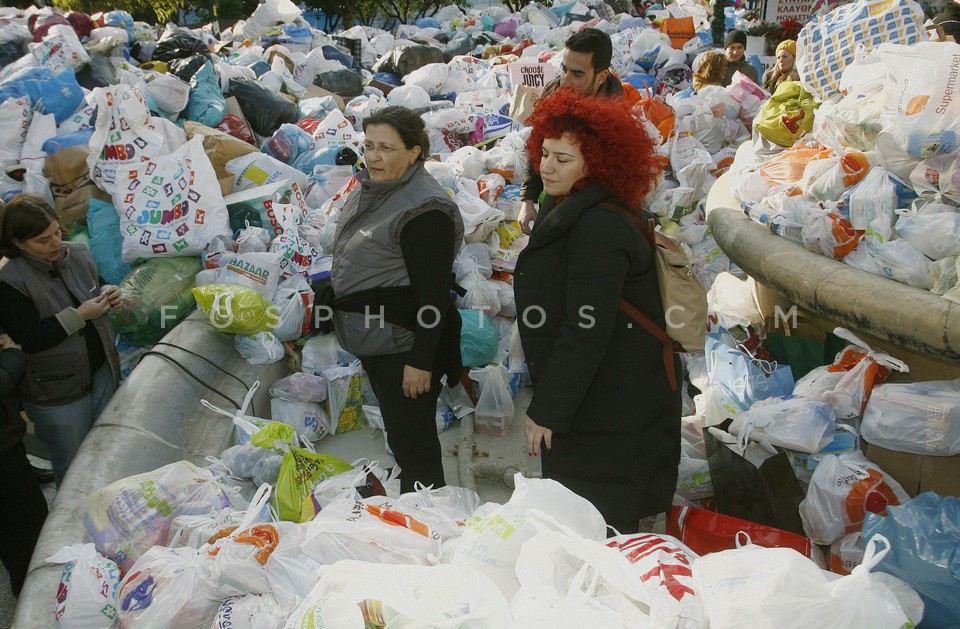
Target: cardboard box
{"x": 918, "y": 473}
{"x": 319, "y": 92}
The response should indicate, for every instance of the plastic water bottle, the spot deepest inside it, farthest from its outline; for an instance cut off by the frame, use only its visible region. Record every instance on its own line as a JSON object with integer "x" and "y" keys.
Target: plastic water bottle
{"x": 757, "y": 212}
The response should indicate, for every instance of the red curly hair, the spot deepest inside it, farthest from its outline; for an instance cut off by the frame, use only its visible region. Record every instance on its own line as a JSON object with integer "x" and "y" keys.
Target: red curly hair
{"x": 617, "y": 151}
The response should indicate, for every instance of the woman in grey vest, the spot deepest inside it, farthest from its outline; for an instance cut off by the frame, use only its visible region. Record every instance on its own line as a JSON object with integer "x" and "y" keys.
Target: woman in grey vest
{"x": 392, "y": 272}
{"x": 53, "y": 306}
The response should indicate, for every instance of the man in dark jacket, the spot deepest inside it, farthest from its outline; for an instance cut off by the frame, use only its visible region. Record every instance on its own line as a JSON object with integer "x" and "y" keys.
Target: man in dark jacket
{"x": 20, "y": 528}
{"x": 585, "y": 67}
{"x": 735, "y": 47}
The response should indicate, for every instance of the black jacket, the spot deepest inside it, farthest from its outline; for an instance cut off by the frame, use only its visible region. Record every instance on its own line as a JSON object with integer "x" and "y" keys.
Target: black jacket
{"x": 598, "y": 377}
{"x": 12, "y": 426}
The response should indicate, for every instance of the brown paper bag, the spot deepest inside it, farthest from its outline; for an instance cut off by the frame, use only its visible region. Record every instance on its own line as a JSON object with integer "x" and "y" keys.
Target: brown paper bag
{"x": 524, "y": 96}
{"x": 220, "y": 147}
{"x": 70, "y": 183}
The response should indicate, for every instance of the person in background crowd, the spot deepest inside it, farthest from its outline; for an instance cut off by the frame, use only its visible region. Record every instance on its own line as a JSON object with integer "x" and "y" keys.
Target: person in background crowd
{"x": 394, "y": 247}
{"x": 713, "y": 66}
{"x": 735, "y": 46}
{"x": 785, "y": 69}
{"x": 603, "y": 415}
{"x": 585, "y": 68}
{"x": 21, "y": 529}
{"x": 54, "y": 305}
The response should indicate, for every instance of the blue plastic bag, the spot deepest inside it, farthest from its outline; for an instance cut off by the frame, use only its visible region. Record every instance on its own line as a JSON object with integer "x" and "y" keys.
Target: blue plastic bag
{"x": 207, "y": 104}
{"x": 924, "y": 536}
{"x": 287, "y": 143}
{"x": 737, "y": 380}
{"x": 106, "y": 241}
{"x": 56, "y": 144}
{"x": 478, "y": 338}
{"x": 121, "y": 19}
{"x": 57, "y": 94}
{"x": 323, "y": 156}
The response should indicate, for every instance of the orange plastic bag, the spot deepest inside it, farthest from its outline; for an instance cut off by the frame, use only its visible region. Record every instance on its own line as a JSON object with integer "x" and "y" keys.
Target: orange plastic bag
{"x": 657, "y": 112}
{"x": 788, "y": 166}
{"x": 680, "y": 30}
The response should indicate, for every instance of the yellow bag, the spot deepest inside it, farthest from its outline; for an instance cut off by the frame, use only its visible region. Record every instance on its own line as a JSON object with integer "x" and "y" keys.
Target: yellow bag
{"x": 787, "y": 115}
{"x": 300, "y": 471}
{"x": 235, "y": 309}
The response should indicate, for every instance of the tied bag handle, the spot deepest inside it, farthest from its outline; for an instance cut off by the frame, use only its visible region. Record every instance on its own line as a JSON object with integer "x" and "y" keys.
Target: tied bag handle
{"x": 670, "y": 346}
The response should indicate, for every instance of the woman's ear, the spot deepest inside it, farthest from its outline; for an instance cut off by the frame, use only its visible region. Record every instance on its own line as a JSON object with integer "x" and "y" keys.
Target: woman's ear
{"x": 416, "y": 154}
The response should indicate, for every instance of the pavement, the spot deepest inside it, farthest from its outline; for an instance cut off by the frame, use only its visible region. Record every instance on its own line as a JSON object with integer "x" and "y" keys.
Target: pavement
{"x": 7, "y": 601}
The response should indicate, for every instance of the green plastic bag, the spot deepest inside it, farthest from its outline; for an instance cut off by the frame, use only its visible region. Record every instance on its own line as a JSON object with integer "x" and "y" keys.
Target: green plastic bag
{"x": 273, "y": 435}
{"x": 787, "y": 115}
{"x": 155, "y": 297}
{"x": 300, "y": 471}
{"x": 235, "y": 309}
{"x": 479, "y": 338}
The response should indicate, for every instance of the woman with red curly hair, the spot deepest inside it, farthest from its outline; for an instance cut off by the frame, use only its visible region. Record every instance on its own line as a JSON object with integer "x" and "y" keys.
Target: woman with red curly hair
{"x": 602, "y": 405}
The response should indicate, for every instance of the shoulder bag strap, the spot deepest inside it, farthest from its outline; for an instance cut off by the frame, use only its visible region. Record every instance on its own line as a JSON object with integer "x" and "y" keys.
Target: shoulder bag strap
{"x": 670, "y": 347}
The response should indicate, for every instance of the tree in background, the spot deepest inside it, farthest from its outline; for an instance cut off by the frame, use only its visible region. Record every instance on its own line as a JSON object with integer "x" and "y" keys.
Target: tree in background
{"x": 150, "y": 11}
{"x": 346, "y": 13}
{"x": 718, "y": 25}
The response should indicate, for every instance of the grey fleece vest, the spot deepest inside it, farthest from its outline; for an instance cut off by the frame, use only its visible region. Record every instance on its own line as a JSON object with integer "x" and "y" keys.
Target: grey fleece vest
{"x": 61, "y": 374}
{"x": 367, "y": 254}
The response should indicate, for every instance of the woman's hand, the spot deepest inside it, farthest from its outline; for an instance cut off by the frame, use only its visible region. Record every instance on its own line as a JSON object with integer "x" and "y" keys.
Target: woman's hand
{"x": 93, "y": 308}
{"x": 528, "y": 214}
{"x": 113, "y": 294}
{"x": 535, "y": 434}
{"x": 7, "y": 343}
{"x": 415, "y": 381}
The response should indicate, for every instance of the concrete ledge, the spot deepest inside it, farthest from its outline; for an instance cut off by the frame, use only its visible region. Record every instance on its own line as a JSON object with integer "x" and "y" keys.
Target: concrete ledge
{"x": 903, "y": 315}
{"x": 155, "y": 418}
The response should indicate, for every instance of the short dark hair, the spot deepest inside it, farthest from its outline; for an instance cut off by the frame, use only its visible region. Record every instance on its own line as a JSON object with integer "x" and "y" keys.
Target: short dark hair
{"x": 593, "y": 41}
{"x": 24, "y": 217}
{"x": 407, "y": 123}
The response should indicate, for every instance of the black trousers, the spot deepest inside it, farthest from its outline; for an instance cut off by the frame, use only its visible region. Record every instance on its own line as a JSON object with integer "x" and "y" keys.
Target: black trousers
{"x": 411, "y": 423}
{"x": 20, "y": 529}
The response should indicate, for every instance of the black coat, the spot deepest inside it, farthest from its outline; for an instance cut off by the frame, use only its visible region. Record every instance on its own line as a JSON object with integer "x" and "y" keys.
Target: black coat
{"x": 12, "y": 426}
{"x": 599, "y": 380}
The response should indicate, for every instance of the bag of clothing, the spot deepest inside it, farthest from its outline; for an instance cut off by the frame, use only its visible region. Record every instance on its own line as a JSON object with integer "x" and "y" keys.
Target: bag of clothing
{"x": 170, "y": 205}
{"x": 787, "y": 115}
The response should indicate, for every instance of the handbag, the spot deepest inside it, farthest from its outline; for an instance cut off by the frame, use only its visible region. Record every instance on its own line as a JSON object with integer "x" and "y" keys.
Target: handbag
{"x": 682, "y": 295}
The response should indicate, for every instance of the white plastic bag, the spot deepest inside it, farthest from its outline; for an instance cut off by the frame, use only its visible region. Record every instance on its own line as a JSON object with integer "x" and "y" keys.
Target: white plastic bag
{"x": 496, "y": 533}
{"x": 567, "y": 581}
{"x": 291, "y": 305}
{"x": 262, "y": 348}
{"x": 918, "y": 417}
{"x": 935, "y": 235}
{"x": 87, "y": 597}
{"x": 789, "y": 422}
{"x": 494, "y": 411}
{"x": 374, "y": 529}
{"x": 124, "y": 134}
{"x": 846, "y": 384}
{"x": 259, "y": 271}
{"x": 754, "y": 587}
{"x": 354, "y": 595}
{"x": 252, "y": 239}
{"x": 875, "y": 196}
{"x": 842, "y": 490}
{"x": 664, "y": 564}
{"x": 309, "y": 419}
{"x": 122, "y": 521}
{"x": 60, "y": 48}
{"x": 168, "y": 583}
{"x": 169, "y": 205}
{"x": 15, "y": 117}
